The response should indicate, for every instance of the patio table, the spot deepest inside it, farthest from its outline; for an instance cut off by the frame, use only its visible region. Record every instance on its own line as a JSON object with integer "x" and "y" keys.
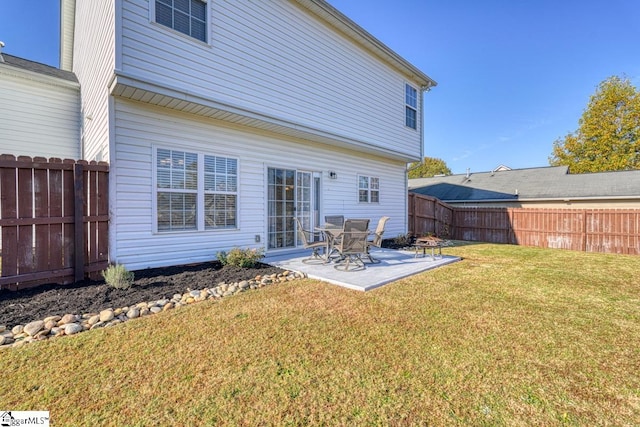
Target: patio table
{"x": 330, "y": 233}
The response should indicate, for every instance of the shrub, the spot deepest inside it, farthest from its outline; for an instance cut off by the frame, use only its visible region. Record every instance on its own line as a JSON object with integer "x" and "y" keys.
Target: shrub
{"x": 117, "y": 276}
{"x": 245, "y": 258}
{"x": 402, "y": 240}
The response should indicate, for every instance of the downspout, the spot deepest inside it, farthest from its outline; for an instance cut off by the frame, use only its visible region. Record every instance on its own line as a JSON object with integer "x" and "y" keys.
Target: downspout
{"x": 423, "y": 89}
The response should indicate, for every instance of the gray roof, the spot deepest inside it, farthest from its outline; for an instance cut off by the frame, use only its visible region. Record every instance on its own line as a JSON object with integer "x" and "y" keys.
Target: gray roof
{"x": 37, "y": 67}
{"x": 529, "y": 184}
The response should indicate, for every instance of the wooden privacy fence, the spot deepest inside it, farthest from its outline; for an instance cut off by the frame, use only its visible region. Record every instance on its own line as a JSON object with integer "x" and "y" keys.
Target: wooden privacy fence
{"x": 54, "y": 217}
{"x": 589, "y": 230}
{"x": 428, "y": 215}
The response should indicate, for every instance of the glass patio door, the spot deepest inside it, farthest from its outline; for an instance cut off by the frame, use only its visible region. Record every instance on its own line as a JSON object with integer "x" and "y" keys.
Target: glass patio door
{"x": 291, "y": 194}
{"x": 303, "y": 201}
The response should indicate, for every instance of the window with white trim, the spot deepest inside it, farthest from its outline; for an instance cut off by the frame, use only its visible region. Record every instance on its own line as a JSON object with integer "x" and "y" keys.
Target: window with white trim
{"x": 411, "y": 106}
{"x": 195, "y": 191}
{"x": 368, "y": 189}
{"x": 220, "y": 192}
{"x": 186, "y": 16}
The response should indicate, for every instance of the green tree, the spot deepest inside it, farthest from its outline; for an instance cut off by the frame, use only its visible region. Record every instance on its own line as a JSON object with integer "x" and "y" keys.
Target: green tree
{"x": 429, "y": 166}
{"x": 608, "y": 135}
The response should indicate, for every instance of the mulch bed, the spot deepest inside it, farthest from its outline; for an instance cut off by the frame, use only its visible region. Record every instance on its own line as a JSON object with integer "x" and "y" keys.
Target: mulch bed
{"x": 20, "y": 307}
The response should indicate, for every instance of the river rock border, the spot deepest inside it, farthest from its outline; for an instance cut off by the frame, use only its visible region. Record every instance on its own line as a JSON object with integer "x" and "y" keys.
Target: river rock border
{"x": 71, "y": 324}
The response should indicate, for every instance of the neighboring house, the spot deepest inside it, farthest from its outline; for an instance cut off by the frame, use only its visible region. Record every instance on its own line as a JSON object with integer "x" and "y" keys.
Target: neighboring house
{"x": 224, "y": 120}
{"x": 547, "y": 187}
{"x": 39, "y": 110}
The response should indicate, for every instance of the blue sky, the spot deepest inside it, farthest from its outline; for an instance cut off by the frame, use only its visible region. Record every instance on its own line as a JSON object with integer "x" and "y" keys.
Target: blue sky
{"x": 513, "y": 75}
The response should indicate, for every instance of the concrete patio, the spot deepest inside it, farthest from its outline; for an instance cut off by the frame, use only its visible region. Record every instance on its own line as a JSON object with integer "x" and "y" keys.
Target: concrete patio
{"x": 394, "y": 265}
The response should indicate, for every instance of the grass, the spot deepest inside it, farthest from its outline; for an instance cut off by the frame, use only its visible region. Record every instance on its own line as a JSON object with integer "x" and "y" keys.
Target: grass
{"x": 510, "y": 336}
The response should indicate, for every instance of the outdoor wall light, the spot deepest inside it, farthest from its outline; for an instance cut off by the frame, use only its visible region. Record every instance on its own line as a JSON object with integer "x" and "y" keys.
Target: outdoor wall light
{"x": 333, "y": 175}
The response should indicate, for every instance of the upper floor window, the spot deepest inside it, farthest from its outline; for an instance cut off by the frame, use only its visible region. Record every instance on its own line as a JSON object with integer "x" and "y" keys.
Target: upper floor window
{"x": 186, "y": 16}
{"x": 411, "y": 106}
{"x": 368, "y": 189}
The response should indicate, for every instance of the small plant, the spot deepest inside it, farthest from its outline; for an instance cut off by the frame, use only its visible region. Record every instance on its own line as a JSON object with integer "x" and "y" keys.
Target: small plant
{"x": 117, "y": 276}
{"x": 403, "y": 240}
{"x": 245, "y": 258}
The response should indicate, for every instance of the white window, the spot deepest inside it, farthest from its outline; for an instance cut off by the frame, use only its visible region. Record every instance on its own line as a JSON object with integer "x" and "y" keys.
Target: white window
{"x": 220, "y": 192}
{"x": 190, "y": 186}
{"x": 368, "y": 189}
{"x": 411, "y": 106}
{"x": 186, "y": 16}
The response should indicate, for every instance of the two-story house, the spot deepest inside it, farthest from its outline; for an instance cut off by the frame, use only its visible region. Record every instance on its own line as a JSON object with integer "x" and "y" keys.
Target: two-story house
{"x": 223, "y": 120}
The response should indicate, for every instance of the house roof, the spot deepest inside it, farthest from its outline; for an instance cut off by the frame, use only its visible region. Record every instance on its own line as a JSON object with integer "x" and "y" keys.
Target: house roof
{"x": 36, "y": 67}
{"x": 546, "y": 183}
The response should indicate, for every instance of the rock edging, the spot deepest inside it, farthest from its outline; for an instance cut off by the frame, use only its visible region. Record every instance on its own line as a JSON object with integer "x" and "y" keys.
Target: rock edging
{"x": 71, "y": 324}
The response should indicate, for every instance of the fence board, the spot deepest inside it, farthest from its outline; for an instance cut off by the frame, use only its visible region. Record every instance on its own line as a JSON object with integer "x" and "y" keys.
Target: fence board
{"x": 25, "y": 211}
{"x": 428, "y": 215}
{"x": 46, "y": 235}
{"x": 67, "y": 247}
{"x": 8, "y": 210}
{"x": 41, "y": 211}
{"x": 55, "y": 211}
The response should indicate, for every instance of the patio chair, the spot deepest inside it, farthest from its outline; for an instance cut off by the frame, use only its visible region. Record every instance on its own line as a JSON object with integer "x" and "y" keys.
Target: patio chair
{"x": 352, "y": 245}
{"x": 310, "y": 240}
{"x": 334, "y": 220}
{"x": 333, "y": 237}
{"x": 377, "y": 239}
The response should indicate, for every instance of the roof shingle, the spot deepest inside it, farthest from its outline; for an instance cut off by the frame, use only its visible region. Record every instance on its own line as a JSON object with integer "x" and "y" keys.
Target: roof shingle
{"x": 37, "y": 67}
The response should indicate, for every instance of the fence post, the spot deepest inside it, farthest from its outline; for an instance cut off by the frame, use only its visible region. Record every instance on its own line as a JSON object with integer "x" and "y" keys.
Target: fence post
{"x": 585, "y": 214}
{"x": 78, "y": 220}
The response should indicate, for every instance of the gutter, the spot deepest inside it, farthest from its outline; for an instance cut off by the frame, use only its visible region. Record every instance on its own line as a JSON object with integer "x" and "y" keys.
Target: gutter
{"x": 423, "y": 90}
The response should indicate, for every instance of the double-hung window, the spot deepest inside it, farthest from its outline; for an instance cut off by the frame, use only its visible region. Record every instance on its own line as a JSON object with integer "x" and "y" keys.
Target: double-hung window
{"x": 411, "y": 106}
{"x": 220, "y": 192}
{"x": 177, "y": 190}
{"x": 195, "y": 191}
{"x": 186, "y": 16}
{"x": 368, "y": 189}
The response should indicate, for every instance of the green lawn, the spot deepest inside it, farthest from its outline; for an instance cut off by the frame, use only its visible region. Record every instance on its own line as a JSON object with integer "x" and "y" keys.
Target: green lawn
{"x": 509, "y": 336}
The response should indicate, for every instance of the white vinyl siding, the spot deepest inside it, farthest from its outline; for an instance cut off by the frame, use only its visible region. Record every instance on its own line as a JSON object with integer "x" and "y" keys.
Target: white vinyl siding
{"x": 40, "y": 116}
{"x": 93, "y": 64}
{"x": 141, "y": 128}
{"x": 274, "y": 58}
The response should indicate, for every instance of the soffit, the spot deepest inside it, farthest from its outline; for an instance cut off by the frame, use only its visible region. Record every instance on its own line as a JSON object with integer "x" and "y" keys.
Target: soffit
{"x": 129, "y": 87}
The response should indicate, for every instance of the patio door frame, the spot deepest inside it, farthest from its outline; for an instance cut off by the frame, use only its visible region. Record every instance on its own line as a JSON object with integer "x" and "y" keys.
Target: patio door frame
{"x": 291, "y": 193}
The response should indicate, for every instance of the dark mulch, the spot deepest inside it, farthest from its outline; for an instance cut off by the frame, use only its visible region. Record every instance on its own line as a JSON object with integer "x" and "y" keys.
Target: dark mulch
{"x": 27, "y": 305}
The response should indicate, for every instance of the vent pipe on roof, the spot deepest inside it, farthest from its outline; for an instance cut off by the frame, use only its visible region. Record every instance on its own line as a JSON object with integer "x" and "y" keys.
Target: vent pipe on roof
{"x": 1, "y": 46}
{"x": 468, "y": 172}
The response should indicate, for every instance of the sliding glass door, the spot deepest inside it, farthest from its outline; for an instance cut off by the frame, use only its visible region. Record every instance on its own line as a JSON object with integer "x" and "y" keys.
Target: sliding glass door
{"x": 291, "y": 194}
